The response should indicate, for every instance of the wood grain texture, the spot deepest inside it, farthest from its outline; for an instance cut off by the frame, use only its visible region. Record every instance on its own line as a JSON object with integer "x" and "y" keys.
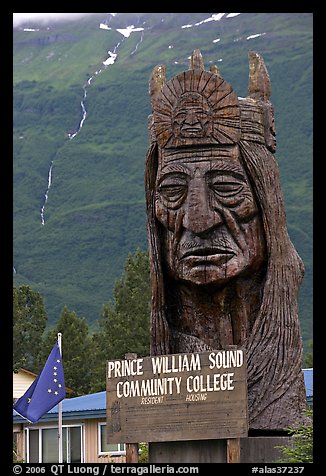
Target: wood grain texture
{"x": 223, "y": 268}
{"x": 233, "y": 450}
{"x": 177, "y": 403}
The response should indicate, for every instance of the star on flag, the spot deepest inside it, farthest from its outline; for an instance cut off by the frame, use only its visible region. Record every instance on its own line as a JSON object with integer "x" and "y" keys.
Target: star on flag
{"x": 46, "y": 391}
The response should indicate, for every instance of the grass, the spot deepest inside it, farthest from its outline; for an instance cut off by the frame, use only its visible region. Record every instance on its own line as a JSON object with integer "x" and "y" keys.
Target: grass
{"x": 95, "y": 214}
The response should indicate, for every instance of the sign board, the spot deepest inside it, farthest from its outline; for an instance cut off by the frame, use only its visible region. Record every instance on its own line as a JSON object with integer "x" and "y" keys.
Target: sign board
{"x": 177, "y": 397}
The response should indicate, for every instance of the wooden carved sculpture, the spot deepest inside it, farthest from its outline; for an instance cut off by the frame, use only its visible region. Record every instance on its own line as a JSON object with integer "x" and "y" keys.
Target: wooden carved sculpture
{"x": 223, "y": 268}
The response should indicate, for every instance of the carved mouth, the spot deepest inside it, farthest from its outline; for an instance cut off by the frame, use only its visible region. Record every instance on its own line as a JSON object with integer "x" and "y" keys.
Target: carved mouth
{"x": 191, "y": 129}
{"x": 191, "y": 133}
{"x": 208, "y": 253}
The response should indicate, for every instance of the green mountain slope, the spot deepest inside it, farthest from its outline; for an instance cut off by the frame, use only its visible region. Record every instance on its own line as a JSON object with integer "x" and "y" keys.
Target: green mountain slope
{"x": 95, "y": 209}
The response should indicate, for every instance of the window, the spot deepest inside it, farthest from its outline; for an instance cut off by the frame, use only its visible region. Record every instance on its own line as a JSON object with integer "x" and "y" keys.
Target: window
{"x": 49, "y": 445}
{"x": 42, "y": 444}
{"x": 104, "y": 447}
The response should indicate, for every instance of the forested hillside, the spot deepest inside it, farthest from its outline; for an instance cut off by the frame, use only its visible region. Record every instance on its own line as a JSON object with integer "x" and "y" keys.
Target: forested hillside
{"x": 80, "y": 138}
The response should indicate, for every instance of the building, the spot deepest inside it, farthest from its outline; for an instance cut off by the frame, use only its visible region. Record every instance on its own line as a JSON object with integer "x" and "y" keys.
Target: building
{"x": 21, "y": 381}
{"x": 309, "y": 383}
{"x": 84, "y": 431}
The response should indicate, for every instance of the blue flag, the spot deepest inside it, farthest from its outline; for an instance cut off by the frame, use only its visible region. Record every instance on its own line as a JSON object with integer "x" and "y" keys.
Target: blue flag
{"x": 46, "y": 391}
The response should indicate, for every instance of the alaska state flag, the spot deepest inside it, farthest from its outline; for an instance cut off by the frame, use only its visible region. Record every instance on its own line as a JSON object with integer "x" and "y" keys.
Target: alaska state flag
{"x": 46, "y": 391}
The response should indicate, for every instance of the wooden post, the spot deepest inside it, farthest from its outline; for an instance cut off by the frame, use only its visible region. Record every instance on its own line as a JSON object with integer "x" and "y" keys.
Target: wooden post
{"x": 132, "y": 455}
{"x": 233, "y": 450}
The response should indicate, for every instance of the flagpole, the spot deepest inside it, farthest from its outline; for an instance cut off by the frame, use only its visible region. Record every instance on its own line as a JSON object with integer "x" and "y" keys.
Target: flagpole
{"x": 60, "y": 442}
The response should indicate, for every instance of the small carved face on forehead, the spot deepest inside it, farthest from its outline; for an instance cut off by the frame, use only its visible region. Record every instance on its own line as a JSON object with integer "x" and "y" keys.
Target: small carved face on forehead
{"x": 192, "y": 116}
{"x": 212, "y": 229}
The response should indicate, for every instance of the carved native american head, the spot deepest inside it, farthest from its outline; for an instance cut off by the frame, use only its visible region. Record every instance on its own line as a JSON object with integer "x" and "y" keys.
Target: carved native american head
{"x": 223, "y": 268}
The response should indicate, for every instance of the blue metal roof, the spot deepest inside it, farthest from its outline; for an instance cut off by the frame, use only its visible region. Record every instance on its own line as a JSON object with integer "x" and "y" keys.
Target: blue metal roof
{"x": 309, "y": 382}
{"x": 94, "y": 405}
{"x": 86, "y": 406}
{"x": 94, "y": 401}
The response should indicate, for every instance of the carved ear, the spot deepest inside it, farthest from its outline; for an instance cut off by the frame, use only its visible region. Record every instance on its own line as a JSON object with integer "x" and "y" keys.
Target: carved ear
{"x": 259, "y": 83}
{"x": 156, "y": 82}
{"x": 196, "y": 61}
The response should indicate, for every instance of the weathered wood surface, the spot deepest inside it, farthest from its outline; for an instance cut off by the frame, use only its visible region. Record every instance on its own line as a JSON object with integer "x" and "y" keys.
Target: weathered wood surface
{"x": 132, "y": 454}
{"x": 185, "y": 452}
{"x": 233, "y": 450}
{"x": 132, "y": 449}
{"x": 263, "y": 449}
{"x": 184, "y": 399}
{"x": 254, "y": 450}
{"x": 223, "y": 268}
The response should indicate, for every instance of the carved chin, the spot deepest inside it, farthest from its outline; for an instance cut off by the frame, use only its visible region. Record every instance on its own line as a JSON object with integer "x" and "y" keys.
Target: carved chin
{"x": 215, "y": 269}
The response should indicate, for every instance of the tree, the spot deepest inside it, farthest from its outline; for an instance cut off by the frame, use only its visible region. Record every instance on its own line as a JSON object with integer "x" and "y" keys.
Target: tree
{"x": 301, "y": 449}
{"x": 308, "y": 361}
{"x": 124, "y": 324}
{"x": 29, "y": 322}
{"x": 76, "y": 350}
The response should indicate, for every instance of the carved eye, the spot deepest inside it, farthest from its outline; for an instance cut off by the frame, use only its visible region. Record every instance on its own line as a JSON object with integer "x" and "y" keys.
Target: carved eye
{"x": 173, "y": 192}
{"x": 226, "y": 185}
{"x": 226, "y": 188}
{"x": 180, "y": 117}
{"x": 173, "y": 189}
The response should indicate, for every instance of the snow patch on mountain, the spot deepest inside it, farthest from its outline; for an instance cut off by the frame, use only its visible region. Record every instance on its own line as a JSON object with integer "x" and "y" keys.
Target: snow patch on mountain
{"x": 126, "y": 32}
{"x": 111, "y": 59}
{"x": 214, "y": 17}
{"x": 255, "y": 36}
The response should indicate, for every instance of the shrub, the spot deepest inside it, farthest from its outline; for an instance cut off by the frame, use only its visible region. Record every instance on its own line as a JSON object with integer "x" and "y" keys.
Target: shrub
{"x": 301, "y": 449}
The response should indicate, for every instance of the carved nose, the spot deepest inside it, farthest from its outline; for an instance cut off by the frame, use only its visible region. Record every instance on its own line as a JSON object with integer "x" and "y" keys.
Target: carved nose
{"x": 199, "y": 217}
{"x": 191, "y": 119}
